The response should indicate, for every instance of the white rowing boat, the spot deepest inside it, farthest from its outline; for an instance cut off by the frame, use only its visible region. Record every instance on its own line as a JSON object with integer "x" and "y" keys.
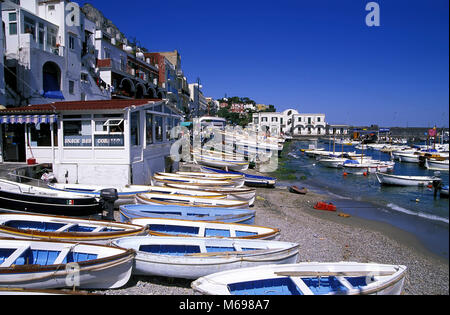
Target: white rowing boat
{"x": 239, "y": 179}
{"x": 241, "y": 194}
{"x": 192, "y": 201}
{"x": 308, "y": 278}
{"x": 401, "y": 180}
{"x": 36, "y": 264}
{"x": 192, "y": 228}
{"x": 434, "y": 164}
{"x": 170, "y": 178}
{"x": 193, "y": 257}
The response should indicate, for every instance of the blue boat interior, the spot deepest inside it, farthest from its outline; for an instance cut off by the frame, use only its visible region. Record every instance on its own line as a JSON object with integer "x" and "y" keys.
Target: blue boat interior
{"x": 193, "y": 231}
{"x": 276, "y": 286}
{"x": 43, "y": 257}
{"x": 181, "y": 250}
{"x": 285, "y": 286}
{"x": 52, "y": 226}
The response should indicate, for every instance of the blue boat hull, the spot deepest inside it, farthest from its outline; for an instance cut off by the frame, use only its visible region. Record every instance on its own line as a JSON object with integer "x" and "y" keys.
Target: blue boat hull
{"x": 250, "y": 180}
{"x": 244, "y": 216}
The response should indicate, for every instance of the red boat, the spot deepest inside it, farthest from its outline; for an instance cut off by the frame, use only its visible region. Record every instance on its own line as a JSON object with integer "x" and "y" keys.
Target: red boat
{"x": 325, "y": 206}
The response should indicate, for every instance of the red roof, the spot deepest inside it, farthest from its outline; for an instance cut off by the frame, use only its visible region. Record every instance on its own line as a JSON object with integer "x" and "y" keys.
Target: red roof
{"x": 80, "y": 105}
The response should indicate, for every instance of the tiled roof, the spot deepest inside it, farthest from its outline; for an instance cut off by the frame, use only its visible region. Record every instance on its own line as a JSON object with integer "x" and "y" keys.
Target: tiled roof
{"x": 79, "y": 106}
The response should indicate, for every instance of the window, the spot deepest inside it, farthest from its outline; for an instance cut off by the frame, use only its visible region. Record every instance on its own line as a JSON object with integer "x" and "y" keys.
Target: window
{"x": 274, "y": 119}
{"x": 77, "y": 133}
{"x": 30, "y": 26}
{"x": 134, "y": 128}
{"x": 318, "y": 119}
{"x": 41, "y": 34}
{"x": 40, "y": 135}
{"x": 299, "y": 119}
{"x": 71, "y": 42}
{"x": 263, "y": 119}
{"x": 13, "y": 23}
{"x": 158, "y": 128}
{"x": 71, "y": 87}
{"x": 169, "y": 126}
{"x": 108, "y": 130}
{"x": 309, "y": 120}
{"x": 149, "y": 128}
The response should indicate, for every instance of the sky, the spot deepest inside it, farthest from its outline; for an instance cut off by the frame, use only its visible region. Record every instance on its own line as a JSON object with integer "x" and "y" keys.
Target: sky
{"x": 316, "y": 56}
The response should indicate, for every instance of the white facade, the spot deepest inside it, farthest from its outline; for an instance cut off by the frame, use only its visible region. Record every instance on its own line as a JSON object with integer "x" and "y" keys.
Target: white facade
{"x": 290, "y": 121}
{"x": 2, "y": 76}
{"x": 48, "y": 54}
{"x": 199, "y": 104}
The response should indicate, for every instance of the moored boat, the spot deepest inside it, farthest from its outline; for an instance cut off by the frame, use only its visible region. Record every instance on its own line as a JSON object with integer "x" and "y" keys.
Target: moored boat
{"x": 19, "y": 197}
{"x": 36, "y": 264}
{"x": 216, "y": 161}
{"x": 435, "y": 164}
{"x": 400, "y": 180}
{"x": 129, "y": 212}
{"x": 186, "y": 228}
{"x": 308, "y": 278}
{"x": 170, "y": 178}
{"x": 193, "y": 257}
{"x": 44, "y": 227}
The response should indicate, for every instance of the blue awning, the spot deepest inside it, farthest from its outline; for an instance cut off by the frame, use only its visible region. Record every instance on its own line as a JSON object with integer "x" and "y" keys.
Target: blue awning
{"x": 54, "y": 95}
{"x": 28, "y": 119}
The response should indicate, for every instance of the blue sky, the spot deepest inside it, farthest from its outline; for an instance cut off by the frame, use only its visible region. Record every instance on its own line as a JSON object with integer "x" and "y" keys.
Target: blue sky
{"x": 317, "y": 56}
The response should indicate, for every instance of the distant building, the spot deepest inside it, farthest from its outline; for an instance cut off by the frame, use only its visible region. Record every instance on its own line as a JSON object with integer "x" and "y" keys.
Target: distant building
{"x": 291, "y": 122}
{"x": 198, "y": 103}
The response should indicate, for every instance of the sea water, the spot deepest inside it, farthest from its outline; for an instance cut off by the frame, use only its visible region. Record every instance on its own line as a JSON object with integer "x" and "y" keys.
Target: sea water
{"x": 414, "y": 209}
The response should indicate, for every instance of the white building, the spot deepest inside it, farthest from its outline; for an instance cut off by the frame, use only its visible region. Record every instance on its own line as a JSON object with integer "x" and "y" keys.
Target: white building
{"x": 2, "y": 76}
{"x": 291, "y": 122}
{"x": 114, "y": 142}
{"x": 48, "y": 53}
{"x": 199, "y": 104}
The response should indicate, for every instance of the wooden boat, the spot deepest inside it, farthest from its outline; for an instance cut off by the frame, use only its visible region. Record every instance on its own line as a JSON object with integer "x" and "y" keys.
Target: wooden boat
{"x": 194, "y": 257}
{"x": 215, "y": 161}
{"x": 399, "y": 180}
{"x": 169, "y": 178}
{"x": 250, "y": 180}
{"x": 435, "y": 164}
{"x": 191, "y": 201}
{"x": 306, "y": 278}
{"x": 297, "y": 190}
{"x": 31, "y": 199}
{"x": 241, "y": 194}
{"x": 237, "y": 178}
{"x": 36, "y": 264}
{"x": 186, "y": 228}
{"x": 44, "y": 227}
{"x": 129, "y": 212}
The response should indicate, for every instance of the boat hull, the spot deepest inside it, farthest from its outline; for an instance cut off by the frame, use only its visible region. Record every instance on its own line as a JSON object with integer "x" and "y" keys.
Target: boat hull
{"x": 108, "y": 272}
{"x": 195, "y": 265}
{"x": 394, "y": 180}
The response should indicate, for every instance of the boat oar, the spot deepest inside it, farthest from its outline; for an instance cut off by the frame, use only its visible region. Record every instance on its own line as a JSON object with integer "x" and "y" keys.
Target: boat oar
{"x": 362, "y": 273}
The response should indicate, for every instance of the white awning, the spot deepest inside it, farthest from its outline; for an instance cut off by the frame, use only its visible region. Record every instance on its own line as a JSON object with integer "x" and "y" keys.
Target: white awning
{"x": 28, "y": 119}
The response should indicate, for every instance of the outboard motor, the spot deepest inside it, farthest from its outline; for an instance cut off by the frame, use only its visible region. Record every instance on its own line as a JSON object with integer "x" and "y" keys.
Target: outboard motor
{"x": 107, "y": 199}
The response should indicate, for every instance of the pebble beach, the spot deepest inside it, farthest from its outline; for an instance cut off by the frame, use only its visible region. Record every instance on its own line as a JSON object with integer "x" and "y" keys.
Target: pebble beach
{"x": 325, "y": 236}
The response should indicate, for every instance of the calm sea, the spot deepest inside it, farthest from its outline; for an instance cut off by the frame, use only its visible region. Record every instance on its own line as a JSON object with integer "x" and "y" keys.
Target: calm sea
{"x": 413, "y": 209}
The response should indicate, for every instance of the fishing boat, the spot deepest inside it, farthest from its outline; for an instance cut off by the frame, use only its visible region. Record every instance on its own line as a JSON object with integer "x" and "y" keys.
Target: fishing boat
{"x": 220, "y": 162}
{"x": 241, "y": 194}
{"x": 191, "y": 201}
{"x": 356, "y": 168}
{"x": 250, "y": 180}
{"x": 129, "y": 212}
{"x": 19, "y": 197}
{"x": 35, "y": 264}
{"x": 194, "y": 257}
{"x": 44, "y": 227}
{"x": 401, "y": 180}
{"x": 297, "y": 190}
{"x": 332, "y": 162}
{"x": 186, "y": 228}
{"x": 435, "y": 164}
{"x": 306, "y": 278}
{"x": 170, "y": 178}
